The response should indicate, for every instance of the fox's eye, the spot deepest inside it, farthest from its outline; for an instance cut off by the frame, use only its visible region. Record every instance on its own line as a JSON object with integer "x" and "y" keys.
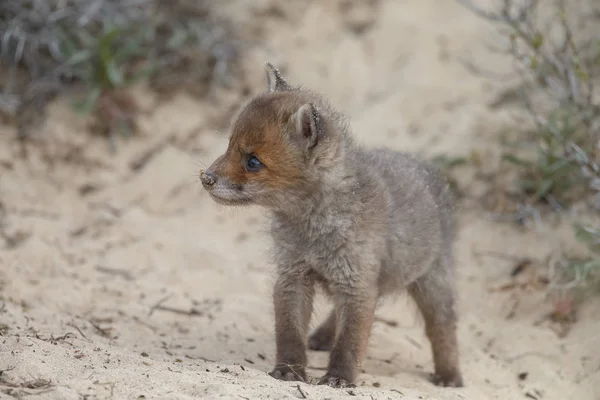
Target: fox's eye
{"x": 253, "y": 164}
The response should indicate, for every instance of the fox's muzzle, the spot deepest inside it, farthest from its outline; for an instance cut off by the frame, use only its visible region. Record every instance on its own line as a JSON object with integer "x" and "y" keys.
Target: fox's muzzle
{"x": 208, "y": 179}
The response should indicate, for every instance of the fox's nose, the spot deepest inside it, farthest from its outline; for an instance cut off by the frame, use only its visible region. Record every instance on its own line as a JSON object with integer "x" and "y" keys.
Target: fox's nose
{"x": 208, "y": 179}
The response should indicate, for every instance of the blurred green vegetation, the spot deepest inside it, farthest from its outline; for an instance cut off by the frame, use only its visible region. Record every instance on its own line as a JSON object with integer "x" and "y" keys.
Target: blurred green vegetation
{"x": 93, "y": 49}
{"x": 555, "y": 46}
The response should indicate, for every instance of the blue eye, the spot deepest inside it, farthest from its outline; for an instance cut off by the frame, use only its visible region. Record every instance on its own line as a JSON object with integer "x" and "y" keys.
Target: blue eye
{"x": 253, "y": 164}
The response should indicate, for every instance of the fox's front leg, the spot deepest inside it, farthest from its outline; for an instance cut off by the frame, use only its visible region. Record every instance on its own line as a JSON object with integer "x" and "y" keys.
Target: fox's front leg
{"x": 293, "y": 300}
{"x": 355, "y": 311}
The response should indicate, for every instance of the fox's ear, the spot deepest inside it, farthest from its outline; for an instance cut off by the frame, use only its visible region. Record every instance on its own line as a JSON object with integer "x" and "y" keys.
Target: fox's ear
{"x": 274, "y": 79}
{"x": 308, "y": 125}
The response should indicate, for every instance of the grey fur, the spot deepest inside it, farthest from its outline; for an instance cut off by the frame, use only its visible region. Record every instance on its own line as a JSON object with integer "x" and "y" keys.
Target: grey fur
{"x": 363, "y": 224}
{"x": 274, "y": 79}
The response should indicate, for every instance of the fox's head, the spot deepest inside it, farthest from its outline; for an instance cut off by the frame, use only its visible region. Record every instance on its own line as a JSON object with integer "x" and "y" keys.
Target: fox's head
{"x": 279, "y": 142}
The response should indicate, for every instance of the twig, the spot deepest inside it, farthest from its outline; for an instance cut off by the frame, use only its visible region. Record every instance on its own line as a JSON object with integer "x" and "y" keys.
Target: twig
{"x": 413, "y": 342}
{"x": 62, "y": 337}
{"x": 100, "y": 330}
{"x": 481, "y": 12}
{"x": 147, "y": 325}
{"x": 78, "y": 330}
{"x": 115, "y": 271}
{"x": 158, "y": 304}
{"x": 388, "y": 322}
{"x": 190, "y": 312}
{"x": 302, "y": 392}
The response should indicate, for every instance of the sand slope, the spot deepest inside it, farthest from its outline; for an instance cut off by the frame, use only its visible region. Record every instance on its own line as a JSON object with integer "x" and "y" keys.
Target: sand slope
{"x": 126, "y": 284}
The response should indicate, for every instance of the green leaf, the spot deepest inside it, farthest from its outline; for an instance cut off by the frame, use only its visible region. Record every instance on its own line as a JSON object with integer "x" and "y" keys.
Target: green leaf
{"x": 553, "y": 121}
{"x": 528, "y": 185}
{"x": 537, "y": 41}
{"x": 89, "y": 102}
{"x": 533, "y": 62}
{"x": 125, "y": 129}
{"x": 516, "y": 160}
{"x": 88, "y": 41}
{"x": 544, "y": 188}
{"x": 443, "y": 161}
{"x": 588, "y": 236}
{"x": 177, "y": 39}
{"x": 142, "y": 73}
{"x": 105, "y": 45}
{"x": 79, "y": 57}
{"x": 585, "y": 267}
{"x": 556, "y": 166}
{"x": 67, "y": 44}
{"x": 114, "y": 74}
{"x": 129, "y": 49}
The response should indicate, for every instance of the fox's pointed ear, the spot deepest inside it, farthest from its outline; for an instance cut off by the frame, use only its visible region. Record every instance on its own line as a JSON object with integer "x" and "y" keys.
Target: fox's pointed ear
{"x": 308, "y": 125}
{"x": 274, "y": 79}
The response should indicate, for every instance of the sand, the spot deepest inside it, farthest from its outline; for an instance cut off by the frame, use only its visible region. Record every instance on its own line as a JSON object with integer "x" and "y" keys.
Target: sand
{"x": 130, "y": 283}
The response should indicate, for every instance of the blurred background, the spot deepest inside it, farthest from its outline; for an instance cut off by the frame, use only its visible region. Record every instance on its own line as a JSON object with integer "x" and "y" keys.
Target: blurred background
{"x": 120, "y": 278}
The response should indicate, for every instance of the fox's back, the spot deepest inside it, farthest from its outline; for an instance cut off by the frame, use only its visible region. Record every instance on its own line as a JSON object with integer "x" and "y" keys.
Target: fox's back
{"x": 419, "y": 212}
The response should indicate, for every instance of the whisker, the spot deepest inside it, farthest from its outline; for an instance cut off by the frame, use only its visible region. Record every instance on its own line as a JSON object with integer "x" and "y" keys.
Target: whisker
{"x": 196, "y": 162}
{"x": 201, "y": 163}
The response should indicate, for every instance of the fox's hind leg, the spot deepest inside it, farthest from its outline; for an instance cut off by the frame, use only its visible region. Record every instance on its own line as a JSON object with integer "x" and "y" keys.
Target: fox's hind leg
{"x": 434, "y": 295}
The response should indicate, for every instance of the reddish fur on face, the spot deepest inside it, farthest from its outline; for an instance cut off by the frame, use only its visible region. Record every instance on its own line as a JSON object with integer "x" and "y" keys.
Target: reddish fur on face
{"x": 261, "y": 130}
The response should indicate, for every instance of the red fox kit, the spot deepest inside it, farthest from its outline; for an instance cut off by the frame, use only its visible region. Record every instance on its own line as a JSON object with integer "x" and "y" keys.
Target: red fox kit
{"x": 359, "y": 223}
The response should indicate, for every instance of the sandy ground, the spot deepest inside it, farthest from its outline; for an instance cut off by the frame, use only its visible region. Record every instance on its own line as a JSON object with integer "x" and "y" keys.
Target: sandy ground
{"x": 121, "y": 279}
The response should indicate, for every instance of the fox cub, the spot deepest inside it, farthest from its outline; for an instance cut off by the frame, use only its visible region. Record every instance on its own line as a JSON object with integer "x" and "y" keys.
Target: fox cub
{"x": 359, "y": 223}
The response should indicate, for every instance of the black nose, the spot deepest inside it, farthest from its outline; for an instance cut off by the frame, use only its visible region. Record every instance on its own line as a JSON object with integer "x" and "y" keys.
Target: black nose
{"x": 208, "y": 178}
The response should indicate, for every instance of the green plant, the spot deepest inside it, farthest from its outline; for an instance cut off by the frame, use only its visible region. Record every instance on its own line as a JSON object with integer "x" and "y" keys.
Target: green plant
{"x": 555, "y": 173}
{"x": 104, "y": 62}
{"x": 556, "y": 52}
{"x": 576, "y": 277}
{"x": 446, "y": 165}
{"x": 49, "y": 47}
{"x": 559, "y": 70}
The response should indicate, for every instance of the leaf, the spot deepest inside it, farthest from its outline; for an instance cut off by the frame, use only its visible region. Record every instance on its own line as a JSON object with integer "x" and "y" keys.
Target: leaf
{"x": 544, "y": 188}
{"x": 537, "y": 41}
{"x": 87, "y": 40}
{"x": 528, "y": 185}
{"x": 79, "y": 57}
{"x": 89, "y": 102}
{"x": 105, "y": 45}
{"x": 142, "y": 73}
{"x": 533, "y": 62}
{"x": 556, "y": 166}
{"x": 443, "y": 161}
{"x": 67, "y": 44}
{"x": 585, "y": 267}
{"x": 114, "y": 74}
{"x": 516, "y": 160}
{"x": 111, "y": 34}
{"x": 129, "y": 49}
{"x": 177, "y": 39}
{"x": 582, "y": 74}
{"x": 553, "y": 121}
{"x": 124, "y": 128}
{"x": 588, "y": 236}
